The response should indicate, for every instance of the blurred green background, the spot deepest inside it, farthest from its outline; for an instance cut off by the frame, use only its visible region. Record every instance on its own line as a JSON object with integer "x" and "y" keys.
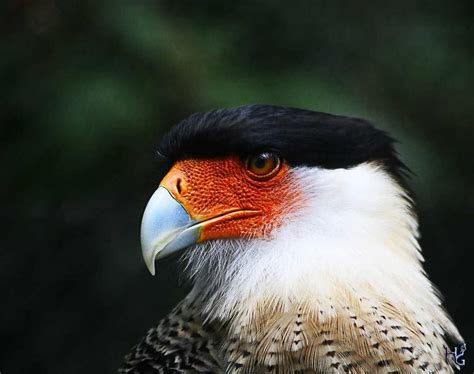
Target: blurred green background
{"x": 89, "y": 87}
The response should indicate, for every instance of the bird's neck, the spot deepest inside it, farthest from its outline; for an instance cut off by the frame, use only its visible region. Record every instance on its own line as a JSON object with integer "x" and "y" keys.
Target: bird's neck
{"x": 353, "y": 251}
{"x": 356, "y": 232}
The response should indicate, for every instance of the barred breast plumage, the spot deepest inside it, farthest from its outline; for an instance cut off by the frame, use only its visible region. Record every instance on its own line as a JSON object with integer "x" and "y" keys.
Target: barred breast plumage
{"x": 363, "y": 337}
{"x": 301, "y": 243}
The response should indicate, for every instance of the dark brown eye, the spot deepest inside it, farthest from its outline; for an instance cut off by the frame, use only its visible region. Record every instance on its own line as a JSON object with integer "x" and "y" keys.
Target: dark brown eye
{"x": 263, "y": 166}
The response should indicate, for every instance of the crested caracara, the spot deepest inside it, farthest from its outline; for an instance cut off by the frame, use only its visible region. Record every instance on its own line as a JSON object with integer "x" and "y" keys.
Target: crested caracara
{"x": 300, "y": 240}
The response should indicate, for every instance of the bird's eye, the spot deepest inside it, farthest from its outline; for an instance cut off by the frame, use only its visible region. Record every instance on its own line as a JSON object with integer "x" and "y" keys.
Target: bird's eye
{"x": 263, "y": 166}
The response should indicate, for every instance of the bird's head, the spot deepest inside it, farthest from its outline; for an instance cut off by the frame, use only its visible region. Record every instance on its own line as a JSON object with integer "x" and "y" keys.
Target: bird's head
{"x": 221, "y": 198}
{"x": 261, "y": 193}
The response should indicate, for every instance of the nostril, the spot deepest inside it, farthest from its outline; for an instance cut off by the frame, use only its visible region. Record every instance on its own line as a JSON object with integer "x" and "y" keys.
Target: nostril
{"x": 178, "y": 185}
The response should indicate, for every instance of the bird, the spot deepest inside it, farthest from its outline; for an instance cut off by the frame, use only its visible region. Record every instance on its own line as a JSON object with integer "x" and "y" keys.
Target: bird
{"x": 298, "y": 233}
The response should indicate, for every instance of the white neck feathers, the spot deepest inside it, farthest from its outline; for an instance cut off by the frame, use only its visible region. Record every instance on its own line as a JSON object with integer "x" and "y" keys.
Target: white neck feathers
{"x": 356, "y": 235}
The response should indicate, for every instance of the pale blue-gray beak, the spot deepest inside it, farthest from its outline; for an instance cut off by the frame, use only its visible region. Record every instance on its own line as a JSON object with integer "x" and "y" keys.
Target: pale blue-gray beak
{"x": 166, "y": 228}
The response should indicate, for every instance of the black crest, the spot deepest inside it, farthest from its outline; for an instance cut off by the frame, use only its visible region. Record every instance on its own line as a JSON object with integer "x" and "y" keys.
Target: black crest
{"x": 301, "y": 137}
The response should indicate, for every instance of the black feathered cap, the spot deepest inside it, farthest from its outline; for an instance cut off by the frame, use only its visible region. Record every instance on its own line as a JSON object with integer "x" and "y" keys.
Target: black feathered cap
{"x": 301, "y": 137}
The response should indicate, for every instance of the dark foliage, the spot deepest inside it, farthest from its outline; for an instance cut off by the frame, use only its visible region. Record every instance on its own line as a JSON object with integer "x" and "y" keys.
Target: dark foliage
{"x": 88, "y": 88}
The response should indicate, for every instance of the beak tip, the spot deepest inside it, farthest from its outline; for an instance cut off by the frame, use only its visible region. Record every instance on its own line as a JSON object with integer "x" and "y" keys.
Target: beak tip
{"x": 150, "y": 264}
{"x": 165, "y": 228}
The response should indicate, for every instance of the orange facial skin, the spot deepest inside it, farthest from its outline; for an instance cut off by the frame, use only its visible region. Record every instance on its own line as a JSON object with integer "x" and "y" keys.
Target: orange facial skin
{"x": 230, "y": 203}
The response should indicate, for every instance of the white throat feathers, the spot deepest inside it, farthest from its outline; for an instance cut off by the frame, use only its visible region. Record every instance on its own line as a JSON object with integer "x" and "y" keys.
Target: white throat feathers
{"x": 354, "y": 239}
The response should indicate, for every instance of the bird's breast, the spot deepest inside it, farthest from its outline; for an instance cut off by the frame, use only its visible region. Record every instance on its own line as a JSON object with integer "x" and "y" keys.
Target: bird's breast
{"x": 361, "y": 336}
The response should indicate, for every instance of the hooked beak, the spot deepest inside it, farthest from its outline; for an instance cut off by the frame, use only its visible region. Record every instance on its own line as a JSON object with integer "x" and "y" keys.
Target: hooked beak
{"x": 172, "y": 222}
{"x": 166, "y": 228}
